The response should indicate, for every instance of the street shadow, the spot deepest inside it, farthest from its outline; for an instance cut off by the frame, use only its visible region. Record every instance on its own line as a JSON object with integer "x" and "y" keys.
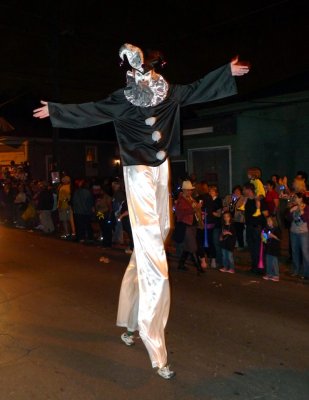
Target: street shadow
{"x": 254, "y": 384}
{"x": 92, "y": 354}
{"x": 117, "y": 368}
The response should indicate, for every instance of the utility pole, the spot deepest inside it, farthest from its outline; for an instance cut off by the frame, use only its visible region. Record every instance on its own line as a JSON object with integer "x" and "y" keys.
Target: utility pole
{"x": 53, "y": 57}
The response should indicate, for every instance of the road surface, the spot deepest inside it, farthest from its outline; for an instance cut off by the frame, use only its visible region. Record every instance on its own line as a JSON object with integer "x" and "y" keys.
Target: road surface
{"x": 228, "y": 337}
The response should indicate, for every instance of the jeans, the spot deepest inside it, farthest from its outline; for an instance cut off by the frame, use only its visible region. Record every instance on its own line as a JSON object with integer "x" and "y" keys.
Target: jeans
{"x": 83, "y": 227}
{"x": 272, "y": 265}
{"x": 300, "y": 251}
{"x": 210, "y": 250}
{"x": 46, "y": 221}
{"x": 239, "y": 227}
{"x": 254, "y": 243}
{"x": 216, "y": 242}
{"x": 106, "y": 228}
{"x": 200, "y": 236}
{"x": 228, "y": 259}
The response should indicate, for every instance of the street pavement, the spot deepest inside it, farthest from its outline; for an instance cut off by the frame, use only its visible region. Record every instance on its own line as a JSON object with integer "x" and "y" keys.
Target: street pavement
{"x": 228, "y": 336}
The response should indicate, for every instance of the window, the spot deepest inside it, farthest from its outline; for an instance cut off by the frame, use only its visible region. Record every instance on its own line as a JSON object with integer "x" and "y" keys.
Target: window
{"x": 91, "y": 154}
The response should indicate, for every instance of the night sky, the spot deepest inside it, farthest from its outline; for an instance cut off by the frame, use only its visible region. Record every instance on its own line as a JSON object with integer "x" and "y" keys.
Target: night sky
{"x": 67, "y": 51}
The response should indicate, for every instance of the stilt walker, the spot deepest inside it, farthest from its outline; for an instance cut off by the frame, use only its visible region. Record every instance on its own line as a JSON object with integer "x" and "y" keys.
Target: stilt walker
{"x": 146, "y": 116}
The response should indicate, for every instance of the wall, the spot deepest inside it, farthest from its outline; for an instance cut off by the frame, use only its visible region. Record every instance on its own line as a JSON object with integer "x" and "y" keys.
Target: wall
{"x": 275, "y": 139}
{"x": 72, "y": 156}
{"x": 299, "y": 134}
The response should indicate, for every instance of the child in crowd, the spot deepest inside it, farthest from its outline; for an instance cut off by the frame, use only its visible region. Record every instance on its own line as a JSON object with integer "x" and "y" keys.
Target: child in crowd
{"x": 271, "y": 238}
{"x": 254, "y": 175}
{"x": 227, "y": 242}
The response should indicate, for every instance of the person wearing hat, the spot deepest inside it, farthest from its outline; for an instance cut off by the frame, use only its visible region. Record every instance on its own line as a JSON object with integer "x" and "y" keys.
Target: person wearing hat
{"x": 146, "y": 117}
{"x": 188, "y": 213}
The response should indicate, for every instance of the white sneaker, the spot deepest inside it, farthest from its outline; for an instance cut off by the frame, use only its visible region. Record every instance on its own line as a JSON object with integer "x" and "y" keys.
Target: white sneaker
{"x": 166, "y": 373}
{"x": 127, "y": 339}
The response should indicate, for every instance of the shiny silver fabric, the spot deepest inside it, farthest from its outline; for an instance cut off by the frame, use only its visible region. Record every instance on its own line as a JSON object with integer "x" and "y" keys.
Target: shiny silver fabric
{"x": 134, "y": 55}
{"x": 144, "y": 301}
{"x": 146, "y": 96}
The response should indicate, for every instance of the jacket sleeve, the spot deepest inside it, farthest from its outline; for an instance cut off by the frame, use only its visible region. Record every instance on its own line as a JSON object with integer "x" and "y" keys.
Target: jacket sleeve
{"x": 305, "y": 216}
{"x": 77, "y": 116}
{"x": 216, "y": 85}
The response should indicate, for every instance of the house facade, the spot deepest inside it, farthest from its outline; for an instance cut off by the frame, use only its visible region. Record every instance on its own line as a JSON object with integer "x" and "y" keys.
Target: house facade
{"x": 271, "y": 133}
{"x": 78, "y": 158}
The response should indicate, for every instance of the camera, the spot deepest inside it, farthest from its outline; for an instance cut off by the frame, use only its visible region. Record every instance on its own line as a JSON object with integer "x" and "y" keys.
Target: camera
{"x": 55, "y": 177}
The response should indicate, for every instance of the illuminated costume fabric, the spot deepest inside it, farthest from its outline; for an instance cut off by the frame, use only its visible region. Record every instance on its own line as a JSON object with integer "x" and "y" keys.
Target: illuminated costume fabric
{"x": 147, "y": 125}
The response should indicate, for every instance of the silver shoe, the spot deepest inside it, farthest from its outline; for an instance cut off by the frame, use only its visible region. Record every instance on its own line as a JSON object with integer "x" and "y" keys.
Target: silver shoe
{"x": 166, "y": 373}
{"x": 127, "y": 339}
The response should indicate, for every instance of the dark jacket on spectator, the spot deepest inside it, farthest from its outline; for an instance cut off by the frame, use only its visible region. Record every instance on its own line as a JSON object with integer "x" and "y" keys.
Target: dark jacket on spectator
{"x": 272, "y": 246}
{"x": 83, "y": 202}
{"x": 228, "y": 242}
{"x": 45, "y": 200}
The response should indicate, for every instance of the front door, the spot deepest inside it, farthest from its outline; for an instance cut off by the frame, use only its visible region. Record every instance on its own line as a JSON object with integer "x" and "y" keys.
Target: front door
{"x": 213, "y": 165}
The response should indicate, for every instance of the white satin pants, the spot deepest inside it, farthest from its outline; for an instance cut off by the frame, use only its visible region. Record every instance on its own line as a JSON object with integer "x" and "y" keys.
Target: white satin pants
{"x": 144, "y": 301}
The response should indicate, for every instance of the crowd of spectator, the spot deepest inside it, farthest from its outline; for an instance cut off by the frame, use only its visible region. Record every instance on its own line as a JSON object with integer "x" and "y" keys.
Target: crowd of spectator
{"x": 81, "y": 210}
{"x": 208, "y": 227}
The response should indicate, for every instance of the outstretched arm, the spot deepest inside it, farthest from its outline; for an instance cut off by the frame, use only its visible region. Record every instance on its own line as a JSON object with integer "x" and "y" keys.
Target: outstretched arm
{"x": 76, "y": 116}
{"x": 216, "y": 85}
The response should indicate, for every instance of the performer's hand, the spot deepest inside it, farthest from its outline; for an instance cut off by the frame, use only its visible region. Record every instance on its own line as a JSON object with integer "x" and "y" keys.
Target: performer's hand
{"x": 41, "y": 112}
{"x": 239, "y": 68}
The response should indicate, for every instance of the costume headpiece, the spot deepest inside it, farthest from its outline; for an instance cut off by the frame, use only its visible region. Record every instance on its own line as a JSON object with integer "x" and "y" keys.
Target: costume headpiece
{"x": 134, "y": 56}
{"x": 137, "y": 60}
{"x": 144, "y": 88}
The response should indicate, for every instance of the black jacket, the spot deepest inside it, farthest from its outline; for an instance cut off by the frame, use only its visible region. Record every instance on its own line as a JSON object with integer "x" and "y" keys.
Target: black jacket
{"x": 228, "y": 242}
{"x": 272, "y": 246}
{"x": 45, "y": 200}
{"x": 135, "y": 137}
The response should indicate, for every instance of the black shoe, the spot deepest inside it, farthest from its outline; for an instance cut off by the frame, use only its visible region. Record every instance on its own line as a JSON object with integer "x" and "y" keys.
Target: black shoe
{"x": 182, "y": 260}
{"x": 197, "y": 264}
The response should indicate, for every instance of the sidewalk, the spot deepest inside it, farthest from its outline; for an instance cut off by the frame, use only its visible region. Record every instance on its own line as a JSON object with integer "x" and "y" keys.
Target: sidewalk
{"x": 243, "y": 261}
{"x": 241, "y": 256}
